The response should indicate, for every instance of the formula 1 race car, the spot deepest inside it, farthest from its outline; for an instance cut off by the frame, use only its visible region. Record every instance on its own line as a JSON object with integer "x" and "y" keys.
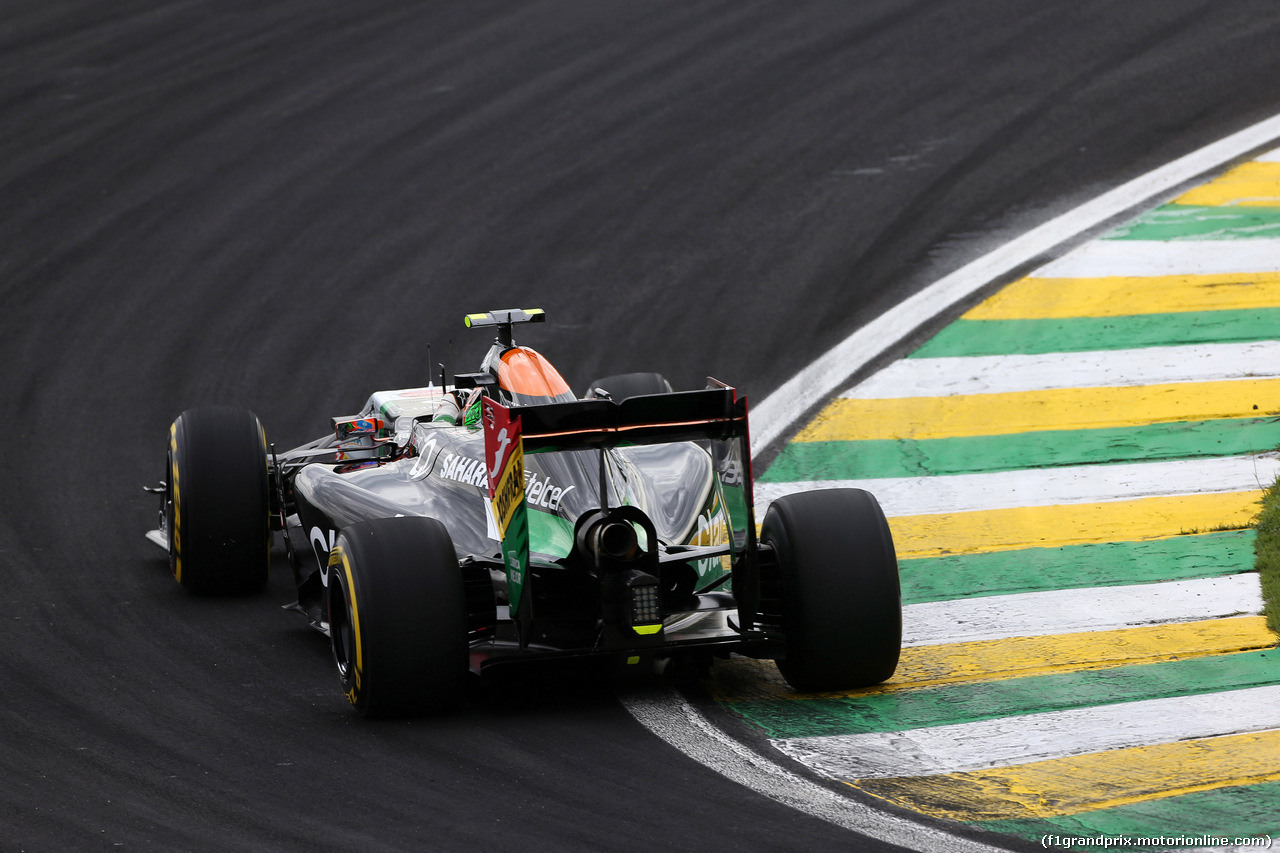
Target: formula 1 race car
{"x": 499, "y": 519}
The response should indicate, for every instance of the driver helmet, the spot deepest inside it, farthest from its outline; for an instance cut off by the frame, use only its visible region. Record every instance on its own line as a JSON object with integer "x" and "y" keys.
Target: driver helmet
{"x": 528, "y": 378}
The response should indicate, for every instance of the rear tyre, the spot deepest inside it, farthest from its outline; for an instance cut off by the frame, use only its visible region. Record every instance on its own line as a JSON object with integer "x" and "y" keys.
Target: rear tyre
{"x": 842, "y": 605}
{"x": 624, "y": 385}
{"x": 218, "y": 510}
{"x": 398, "y": 617}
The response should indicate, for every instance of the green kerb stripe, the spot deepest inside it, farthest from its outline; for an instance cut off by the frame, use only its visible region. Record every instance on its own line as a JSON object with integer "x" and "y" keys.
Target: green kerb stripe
{"x": 966, "y": 703}
{"x": 1085, "y": 334}
{"x": 1189, "y": 222}
{"x": 1076, "y": 566}
{"x": 863, "y": 460}
{"x": 1241, "y": 812}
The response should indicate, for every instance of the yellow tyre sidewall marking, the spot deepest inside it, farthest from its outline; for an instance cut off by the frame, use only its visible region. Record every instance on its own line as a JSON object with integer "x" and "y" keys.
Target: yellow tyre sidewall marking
{"x": 176, "y": 533}
{"x": 266, "y": 461}
{"x": 339, "y": 555}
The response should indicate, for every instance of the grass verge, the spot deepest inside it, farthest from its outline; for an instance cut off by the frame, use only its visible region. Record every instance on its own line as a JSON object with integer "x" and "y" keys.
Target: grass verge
{"x": 1267, "y": 554}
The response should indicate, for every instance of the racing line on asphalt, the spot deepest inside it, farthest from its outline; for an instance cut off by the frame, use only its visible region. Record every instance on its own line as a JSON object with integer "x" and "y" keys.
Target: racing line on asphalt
{"x": 1070, "y": 469}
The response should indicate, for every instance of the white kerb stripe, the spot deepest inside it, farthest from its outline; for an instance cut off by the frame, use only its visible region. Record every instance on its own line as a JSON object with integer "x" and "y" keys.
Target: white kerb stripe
{"x": 1011, "y": 741}
{"x": 1074, "y": 484}
{"x": 1072, "y": 611}
{"x": 1272, "y": 156}
{"x": 1140, "y": 258}
{"x": 1003, "y": 374}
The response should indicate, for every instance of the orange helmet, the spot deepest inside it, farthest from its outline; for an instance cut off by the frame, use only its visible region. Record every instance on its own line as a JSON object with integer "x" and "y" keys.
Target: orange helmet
{"x": 529, "y": 378}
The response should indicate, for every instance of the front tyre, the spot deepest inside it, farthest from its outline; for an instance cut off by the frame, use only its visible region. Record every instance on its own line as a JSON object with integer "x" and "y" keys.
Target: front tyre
{"x": 398, "y": 617}
{"x": 842, "y": 605}
{"x": 218, "y": 507}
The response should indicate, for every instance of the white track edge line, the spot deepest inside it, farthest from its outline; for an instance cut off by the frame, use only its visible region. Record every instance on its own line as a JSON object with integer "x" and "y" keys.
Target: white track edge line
{"x": 775, "y": 414}
{"x": 670, "y": 717}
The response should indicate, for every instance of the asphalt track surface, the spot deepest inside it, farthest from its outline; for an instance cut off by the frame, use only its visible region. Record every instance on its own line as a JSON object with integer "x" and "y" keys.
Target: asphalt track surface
{"x": 283, "y": 205}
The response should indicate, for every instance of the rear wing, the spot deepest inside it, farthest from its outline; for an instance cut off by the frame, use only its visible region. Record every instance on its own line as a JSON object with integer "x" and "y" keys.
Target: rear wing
{"x": 716, "y": 416}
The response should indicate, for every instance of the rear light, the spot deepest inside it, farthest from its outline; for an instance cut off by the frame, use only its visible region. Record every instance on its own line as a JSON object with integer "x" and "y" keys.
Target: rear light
{"x": 644, "y": 598}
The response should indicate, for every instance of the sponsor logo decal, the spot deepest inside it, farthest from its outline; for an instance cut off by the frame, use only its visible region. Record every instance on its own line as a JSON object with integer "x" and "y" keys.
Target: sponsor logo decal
{"x": 540, "y": 490}
{"x": 713, "y": 529}
{"x": 322, "y": 543}
{"x": 543, "y": 491}
{"x": 503, "y": 473}
{"x": 427, "y": 451}
{"x": 463, "y": 469}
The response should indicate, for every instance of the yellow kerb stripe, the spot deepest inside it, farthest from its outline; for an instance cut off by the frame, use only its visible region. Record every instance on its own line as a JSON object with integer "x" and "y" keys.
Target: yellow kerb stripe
{"x": 1019, "y": 657}
{"x": 846, "y": 419}
{"x": 993, "y": 530}
{"x": 1065, "y": 786}
{"x": 1049, "y": 298}
{"x": 1249, "y": 185}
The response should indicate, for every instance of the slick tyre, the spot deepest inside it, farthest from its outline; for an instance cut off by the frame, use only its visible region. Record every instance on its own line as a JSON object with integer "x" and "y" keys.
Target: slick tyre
{"x": 842, "y": 605}
{"x": 398, "y": 617}
{"x": 218, "y": 509}
{"x": 624, "y": 385}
